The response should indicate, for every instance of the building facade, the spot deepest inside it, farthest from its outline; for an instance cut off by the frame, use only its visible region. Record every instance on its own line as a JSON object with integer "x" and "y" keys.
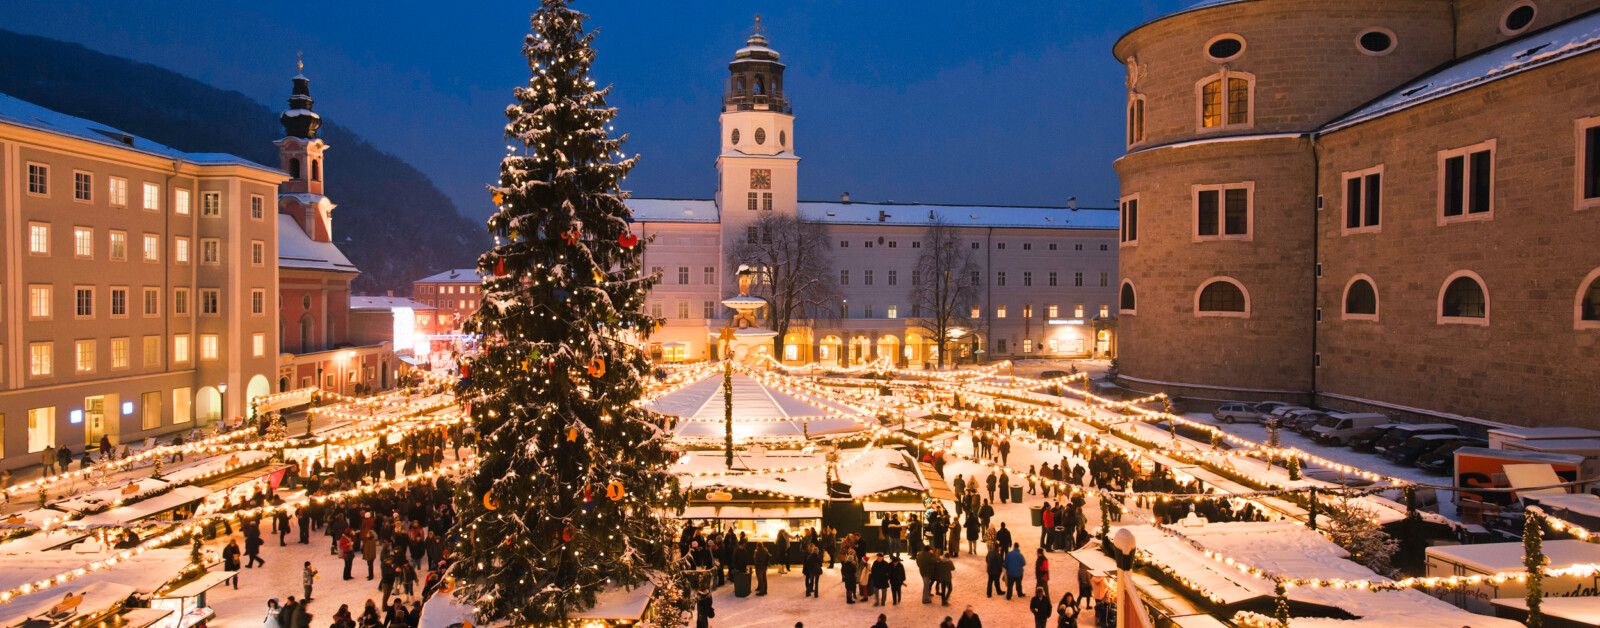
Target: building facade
{"x": 1378, "y": 206}
{"x": 314, "y": 275}
{"x": 136, "y": 280}
{"x": 1047, "y": 276}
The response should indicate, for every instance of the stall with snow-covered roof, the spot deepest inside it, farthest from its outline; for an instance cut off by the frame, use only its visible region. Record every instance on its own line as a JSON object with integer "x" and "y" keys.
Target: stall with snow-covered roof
{"x": 187, "y": 599}
{"x": 89, "y": 598}
{"x": 762, "y": 414}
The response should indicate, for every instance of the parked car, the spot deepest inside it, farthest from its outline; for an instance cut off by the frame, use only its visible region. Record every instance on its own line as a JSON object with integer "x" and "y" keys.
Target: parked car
{"x": 1442, "y": 460}
{"x": 1301, "y": 421}
{"x": 1236, "y": 413}
{"x": 1364, "y": 440}
{"x": 1400, "y": 434}
{"x": 1338, "y": 427}
{"x": 1266, "y": 407}
{"x": 1406, "y": 453}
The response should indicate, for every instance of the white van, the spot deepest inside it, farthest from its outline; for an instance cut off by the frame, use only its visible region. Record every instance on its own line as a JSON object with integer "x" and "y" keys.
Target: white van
{"x": 1338, "y": 427}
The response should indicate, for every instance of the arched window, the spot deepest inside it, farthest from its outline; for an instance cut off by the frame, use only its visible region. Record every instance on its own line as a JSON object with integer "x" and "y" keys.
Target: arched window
{"x": 1225, "y": 100}
{"x": 1222, "y": 296}
{"x": 1128, "y": 300}
{"x": 738, "y": 89}
{"x": 305, "y": 334}
{"x": 294, "y": 168}
{"x": 1464, "y": 299}
{"x": 1588, "y": 304}
{"x": 1360, "y": 299}
{"x": 760, "y": 85}
{"x": 316, "y": 170}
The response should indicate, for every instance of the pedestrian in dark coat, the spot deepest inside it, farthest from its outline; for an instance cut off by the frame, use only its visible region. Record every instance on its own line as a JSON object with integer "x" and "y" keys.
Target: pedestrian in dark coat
{"x": 230, "y": 561}
{"x": 897, "y": 578}
{"x": 812, "y": 570}
{"x": 761, "y": 559}
{"x": 252, "y": 552}
{"x": 995, "y": 565}
{"x": 1040, "y": 606}
{"x": 704, "y": 610}
{"x": 847, "y": 572}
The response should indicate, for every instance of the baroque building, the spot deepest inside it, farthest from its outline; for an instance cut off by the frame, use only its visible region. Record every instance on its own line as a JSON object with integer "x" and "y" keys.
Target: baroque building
{"x": 1372, "y": 205}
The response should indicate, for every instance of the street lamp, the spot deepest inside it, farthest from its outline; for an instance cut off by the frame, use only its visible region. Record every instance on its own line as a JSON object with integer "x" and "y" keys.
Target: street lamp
{"x": 222, "y": 392}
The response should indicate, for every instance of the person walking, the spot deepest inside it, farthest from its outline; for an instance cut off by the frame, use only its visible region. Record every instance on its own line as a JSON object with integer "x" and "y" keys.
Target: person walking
{"x": 761, "y": 559}
{"x": 991, "y": 482}
{"x": 782, "y": 547}
{"x": 1005, "y": 487}
{"x": 1015, "y": 563}
{"x": 969, "y": 619}
{"x": 878, "y": 580}
{"x": 847, "y": 572}
{"x": 230, "y": 561}
{"x": 897, "y": 578}
{"x": 926, "y": 562}
{"x": 945, "y": 570}
{"x": 273, "y": 615}
{"x": 954, "y": 547}
{"x": 1085, "y": 586}
{"x": 811, "y": 568}
{"x": 974, "y": 530}
{"x": 1003, "y": 536}
{"x": 1040, "y": 606}
{"x": 1041, "y": 573}
{"x": 1005, "y": 451}
{"x": 308, "y": 578}
{"x": 704, "y": 610}
{"x": 1067, "y": 611}
{"x": 995, "y": 565}
{"x": 252, "y": 552}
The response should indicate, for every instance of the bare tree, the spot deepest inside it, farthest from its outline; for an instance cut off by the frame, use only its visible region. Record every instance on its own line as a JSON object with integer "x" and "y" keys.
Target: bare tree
{"x": 945, "y": 287}
{"x": 793, "y": 262}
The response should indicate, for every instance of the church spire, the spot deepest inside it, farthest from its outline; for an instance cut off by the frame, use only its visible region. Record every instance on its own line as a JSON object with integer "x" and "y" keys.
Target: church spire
{"x": 300, "y": 121}
{"x": 756, "y": 76}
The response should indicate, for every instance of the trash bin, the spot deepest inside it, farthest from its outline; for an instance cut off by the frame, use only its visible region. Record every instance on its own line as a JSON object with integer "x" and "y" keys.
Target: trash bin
{"x": 1016, "y": 493}
{"x": 1036, "y": 513}
{"x": 741, "y": 583}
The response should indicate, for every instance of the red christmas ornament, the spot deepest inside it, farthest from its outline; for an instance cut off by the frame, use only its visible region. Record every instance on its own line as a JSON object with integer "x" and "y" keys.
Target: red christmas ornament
{"x": 566, "y": 533}
{"x": 628, "y": 240}
{"x": 465, "y": 370}
{"x": 500, "y": 267}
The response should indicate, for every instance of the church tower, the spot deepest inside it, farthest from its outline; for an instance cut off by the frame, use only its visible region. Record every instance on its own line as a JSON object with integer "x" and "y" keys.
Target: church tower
{"x": 300, "y": 155}
{"x": 757, "y": 167}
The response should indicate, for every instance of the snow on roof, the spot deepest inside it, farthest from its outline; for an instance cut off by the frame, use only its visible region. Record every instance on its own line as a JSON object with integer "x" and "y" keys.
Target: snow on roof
{"x": 1491, "y": 558}
{"x": 142, "y": 573}
{"x": 867, "y": 472}
{"x": 305, "y": 198}
{"x": 1578, "y": 36}
{"x": 384, "y": 303}
{"x": 1201, "y": 4}
{"x": 673, "y": 210}
{"x": 298, "y": 250}
{"x": 1539, "y": 433}
{"x": 143, "y": 509}
{"x": 786, "y": 155}
{"x": 758, "y": 410}
{"x": 897, "y": 214}
{"x": 459, "y": 275}
{"x": 111, "y": 494}
{"x": 25, "y": 114}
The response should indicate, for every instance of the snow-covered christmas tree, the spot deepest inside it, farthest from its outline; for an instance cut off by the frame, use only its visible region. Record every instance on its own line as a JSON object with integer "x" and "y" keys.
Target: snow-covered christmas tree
{"x": 565, "y": 498}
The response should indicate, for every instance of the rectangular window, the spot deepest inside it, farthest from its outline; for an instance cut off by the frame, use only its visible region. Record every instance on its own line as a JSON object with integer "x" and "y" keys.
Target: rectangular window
{"x": 182, "y": 407}
{"x": 82, "y": 186}
{"x": 38, "y": 179}
{"x": 844, "y": 277}
{"x": 1027, "y": 278}
{"x": 117, "y": 193}
{"x": 709, "y": 309}
{"x": 844, "y": 310}
{"x": 258, "y": 345}
{"x": 83, "y": 243}
{"x": 683, "y": 309}
{"x": 1466, "y": 183}
{"x": 916, "y": 244}
{"x": 208, "y": 346}
{"x": 1105, "y": 279}
{"x": 844, "y": 244}
{"x": 41, "y": 359}
{"x": 152, "y": 197}
{"x": 180, "y": 202}
{"x": 257, "y": 206}
{"x": 1130, "y": 220}
{"x": 1027, "y": 345}
{"x": 210, "y": 251}
{"x": 683, "y": 275}
{"x": 210, "y": 302}
{"x": 1077, "y": 280}
{"x": 1135, "y": 120}
{"x": 1223, "y": 212}
{"x": 1105, "y": 311}
{"x": 41, "y": 429}
{"x": 152, "y": 247}
{"x": 1027, "y": 246}
{"x": 180, "y": 301}
{"x": 1052, "y": 246}
{"x": 1052, "y": 279}
{"x": 38, "y": 238}
{"x": 893, "y": 244}
{"x": 1363, "y": 200}
{"x": 119, "y": 353}
{"x": 151, "y": 412}
{"x": 1001, "y": 246}
{"x": 1000, "y": 311}
{"x": 1027, "y": 311}
{"x": 1211, "y": 104}
{"x": 258, "y": 253}
{"x": 1000, "y": 278}
{"x": 751, "y": 201}
{"x": 1000, "y": 345}
{"x": 893, "y": 311}
{"x": 85, "y": 301}
{"x": 180, "y": 250}
{"x": 866, "y": 277}
{"x": 751, "y": 236}
{"x": 85, "y": 356}
{"x": 258, "y": 302}
{"x": 975, "y": 312}
{"x": 1238, "y": 101}
{"x": 1050, "y": 312}
{"x": 977, "y": 278}
{"x": 916, "y": 277}
{"x": 655, "y": 310}
{"x": 893, "y": 278}
{"x": 152, "y": 351}
{"x": 1077, "y": 311}
{"x": 180, "y": 348}
{"x": 211, "y": 204}
{"x": 152, "y": 301}
{"x": 867, "y": 244}
{"x": 766, "y": 201}
{"x": 39, "y": 302}
{"x": 710, "y": 275}
{"x": 1588, "y": 163}
{"x": 119, "y": 246}
{"x": 119, "y": 303}
{"x": 867, "y": 312}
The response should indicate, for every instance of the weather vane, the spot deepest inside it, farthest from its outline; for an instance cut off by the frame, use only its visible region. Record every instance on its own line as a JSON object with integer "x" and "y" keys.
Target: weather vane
{"x": 758, "y": 23}
{"x": 299, "y": 61}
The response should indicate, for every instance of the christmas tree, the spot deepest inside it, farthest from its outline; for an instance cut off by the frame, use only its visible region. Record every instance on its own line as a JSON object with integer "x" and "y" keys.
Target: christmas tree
{"x": 566, "y": 497}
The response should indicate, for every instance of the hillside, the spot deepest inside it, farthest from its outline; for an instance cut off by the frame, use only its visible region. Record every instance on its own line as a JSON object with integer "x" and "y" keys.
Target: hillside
{"x": 390, "y": 221}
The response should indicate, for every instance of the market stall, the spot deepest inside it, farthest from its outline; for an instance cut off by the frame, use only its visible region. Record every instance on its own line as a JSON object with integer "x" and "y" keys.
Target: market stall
{"x": 187, "y": 601}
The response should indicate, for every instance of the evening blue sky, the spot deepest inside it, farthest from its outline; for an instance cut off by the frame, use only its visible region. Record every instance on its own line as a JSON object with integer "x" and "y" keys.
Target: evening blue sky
{"x": 935, "y": 101}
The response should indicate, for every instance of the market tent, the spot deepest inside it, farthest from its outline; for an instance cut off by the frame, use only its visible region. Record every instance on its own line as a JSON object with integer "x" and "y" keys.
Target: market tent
{"x": 760, "y": 412}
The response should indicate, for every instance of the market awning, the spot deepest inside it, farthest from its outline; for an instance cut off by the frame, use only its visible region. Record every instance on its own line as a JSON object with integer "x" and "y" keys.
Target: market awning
{"x": 752, "y": 512}
{"x": 892, "y": 506}
{"x": 412, "y": 361}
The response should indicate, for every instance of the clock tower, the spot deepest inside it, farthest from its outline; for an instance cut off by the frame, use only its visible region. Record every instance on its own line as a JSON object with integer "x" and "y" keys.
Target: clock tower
{"x": 756, "y": 169}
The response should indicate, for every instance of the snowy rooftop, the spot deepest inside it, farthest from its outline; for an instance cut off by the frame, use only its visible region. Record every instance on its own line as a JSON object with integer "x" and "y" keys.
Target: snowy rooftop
{"x": 459, "y": 275}
{"x": 384, "y": 303}
{"x": 759, "y": 411}
{"x": 898, "y": 214}
{"x": 142, "y": 573}
{"x": 1576, "y": 37}
{"x": 25, "y": 114}
{"x": 867, "y": 472}
{"x": 298, "y": 250}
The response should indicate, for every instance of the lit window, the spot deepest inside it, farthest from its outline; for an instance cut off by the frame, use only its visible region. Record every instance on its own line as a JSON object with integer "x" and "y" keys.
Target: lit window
{"x": 1221, "y": 297}
{"x": 1223, "y": 212}
{"x": 1225, "y": 100}
{"x": 1027, "y": 345}
{"x": 119, "y": 353}
{"x": 152, "y": 247}
{"x": 208, "y": 347}
{"x": 82, "y": 186}
{"x": 893, "y": 311}
{"x": 258, "y": 345}
{"x": 974, "y": 312}
{"x": 1466, "y": 183}
{"x": 180, "y": 348}
{"x": 1027, "y": 311}
{"x": 40, "y": 359}
{"x": 38, "y": 239}
{"x": 41, "y": 428}
{"x": 1050, "y": 311}
{"x": 211, "y": 204}
{"x": 83, "y": 243}
{"x": 151, "y": 418}
{"x": 119, "y": 245}
{"x": 1000, "y": 311}
{"x": 85, "y": 354}
{"x": 1135, "y": 119}
{"x": 38, "y": 179}
{"x": 152, "y": 351}
{"x": 180, "y": 250}
{"x": 182, "y": 404}
{"x": 118, "y": 192}
{"x": 152, "y": 197}
{"x": 39, "y": 302}
{"x": 1105, "y": 311}
{"x": 1077, "y": 311}
{"x": 180, "y": 202}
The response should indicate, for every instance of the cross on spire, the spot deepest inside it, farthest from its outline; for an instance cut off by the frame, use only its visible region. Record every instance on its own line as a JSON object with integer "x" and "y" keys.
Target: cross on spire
{"x": 300, "y": 61}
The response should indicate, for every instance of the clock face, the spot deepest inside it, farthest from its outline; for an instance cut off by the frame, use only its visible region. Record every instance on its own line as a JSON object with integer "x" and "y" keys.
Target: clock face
{"x": 760, "y": 179}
